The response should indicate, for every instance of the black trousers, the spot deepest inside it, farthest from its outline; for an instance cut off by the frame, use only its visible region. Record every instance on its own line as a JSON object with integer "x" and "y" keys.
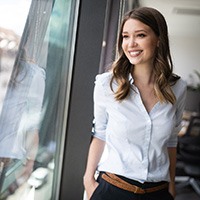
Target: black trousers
{"x": 106, "y": 191}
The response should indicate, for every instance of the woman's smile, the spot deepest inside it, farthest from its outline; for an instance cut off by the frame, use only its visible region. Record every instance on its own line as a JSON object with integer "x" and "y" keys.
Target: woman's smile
{"x": 135, "y": 53}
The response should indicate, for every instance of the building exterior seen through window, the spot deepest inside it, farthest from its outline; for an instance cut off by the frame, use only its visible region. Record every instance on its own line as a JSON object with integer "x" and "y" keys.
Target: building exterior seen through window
{"x": 36, "y": 50}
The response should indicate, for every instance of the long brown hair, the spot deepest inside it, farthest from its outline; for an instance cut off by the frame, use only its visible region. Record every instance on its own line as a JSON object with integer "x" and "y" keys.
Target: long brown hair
{"x": 163, "y": 66}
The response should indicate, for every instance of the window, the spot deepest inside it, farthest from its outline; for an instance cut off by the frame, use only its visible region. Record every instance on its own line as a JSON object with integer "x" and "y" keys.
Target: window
{"x": 36, "y": 65}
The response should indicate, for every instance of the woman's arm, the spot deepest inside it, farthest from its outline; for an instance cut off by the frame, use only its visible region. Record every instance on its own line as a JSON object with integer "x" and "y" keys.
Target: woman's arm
{"x": 94, "y": 155}
{"x": 172, "y": 169}
{"x": 172, "y": 150}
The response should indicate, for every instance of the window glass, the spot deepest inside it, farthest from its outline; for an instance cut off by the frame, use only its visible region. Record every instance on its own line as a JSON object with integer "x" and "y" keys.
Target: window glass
{"x": 10, "y": 34}
{"x": 37, "y": 41}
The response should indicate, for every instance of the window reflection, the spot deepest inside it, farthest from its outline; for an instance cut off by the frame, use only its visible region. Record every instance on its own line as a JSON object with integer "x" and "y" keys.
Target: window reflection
{"x": 34, "y": 73}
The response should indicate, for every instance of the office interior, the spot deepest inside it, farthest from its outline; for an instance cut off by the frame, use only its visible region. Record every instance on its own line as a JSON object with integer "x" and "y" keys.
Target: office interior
{"x": 72, "y": 41}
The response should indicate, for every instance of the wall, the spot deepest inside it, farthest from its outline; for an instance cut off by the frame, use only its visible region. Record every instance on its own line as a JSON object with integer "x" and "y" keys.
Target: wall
{"x": 186, "y": 56}
{"x": 80, "y": 115}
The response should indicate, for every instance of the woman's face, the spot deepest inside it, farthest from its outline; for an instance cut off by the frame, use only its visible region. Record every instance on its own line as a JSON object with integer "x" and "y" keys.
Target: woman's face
{"x": 138, "y": 42}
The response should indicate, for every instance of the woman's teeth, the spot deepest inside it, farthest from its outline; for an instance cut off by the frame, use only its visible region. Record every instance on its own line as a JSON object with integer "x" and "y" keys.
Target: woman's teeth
{"x": 135, "y": 53}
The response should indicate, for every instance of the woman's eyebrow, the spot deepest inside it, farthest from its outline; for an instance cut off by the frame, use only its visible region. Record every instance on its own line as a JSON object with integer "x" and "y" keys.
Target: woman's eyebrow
{"x": 141, "y": 30}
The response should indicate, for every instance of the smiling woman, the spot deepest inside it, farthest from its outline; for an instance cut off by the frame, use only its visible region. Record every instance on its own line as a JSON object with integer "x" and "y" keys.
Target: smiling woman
{"x": 133, "y": 101}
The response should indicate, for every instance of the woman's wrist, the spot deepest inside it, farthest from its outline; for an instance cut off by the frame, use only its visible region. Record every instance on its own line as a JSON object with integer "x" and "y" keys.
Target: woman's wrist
{"x": 172, "y": 188}
{"x": 88, "y": 179}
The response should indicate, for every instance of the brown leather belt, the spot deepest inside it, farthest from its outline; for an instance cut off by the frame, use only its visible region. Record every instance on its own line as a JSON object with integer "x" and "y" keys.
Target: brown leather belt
{"x": 120, "y": 183}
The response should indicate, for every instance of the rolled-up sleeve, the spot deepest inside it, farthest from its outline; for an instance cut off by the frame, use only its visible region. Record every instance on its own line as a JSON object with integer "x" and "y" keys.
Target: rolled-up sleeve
{"x": 179, "y": 113}
{"x": 100, "y": 114}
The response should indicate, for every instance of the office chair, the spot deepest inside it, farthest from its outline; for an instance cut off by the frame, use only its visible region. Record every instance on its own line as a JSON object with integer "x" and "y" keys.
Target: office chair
{"x": 188, "y": 156}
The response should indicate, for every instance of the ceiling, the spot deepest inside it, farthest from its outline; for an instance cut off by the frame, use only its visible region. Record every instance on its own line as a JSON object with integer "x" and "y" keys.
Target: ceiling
{"x": 182, "y": 16}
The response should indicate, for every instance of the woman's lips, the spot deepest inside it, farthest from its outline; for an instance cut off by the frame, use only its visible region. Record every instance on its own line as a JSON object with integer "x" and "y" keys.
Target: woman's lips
{"x": 135, "y": 53}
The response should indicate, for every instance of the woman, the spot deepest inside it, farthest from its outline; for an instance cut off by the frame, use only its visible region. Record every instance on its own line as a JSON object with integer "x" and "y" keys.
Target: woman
{"x": 138, "y": 108}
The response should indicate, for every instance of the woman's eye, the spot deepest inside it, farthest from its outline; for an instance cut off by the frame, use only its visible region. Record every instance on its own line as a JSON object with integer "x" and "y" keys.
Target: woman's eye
{"x": 124, "y": 36}
{"x": 141, "y": 35}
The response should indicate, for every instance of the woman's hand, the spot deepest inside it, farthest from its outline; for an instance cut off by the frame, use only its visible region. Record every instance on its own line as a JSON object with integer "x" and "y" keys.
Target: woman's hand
{"x": 94, "y": 155}
{"x": 172, "y": 189}
{"x": 172, "y": 170}
{"x": 90, "y": 186}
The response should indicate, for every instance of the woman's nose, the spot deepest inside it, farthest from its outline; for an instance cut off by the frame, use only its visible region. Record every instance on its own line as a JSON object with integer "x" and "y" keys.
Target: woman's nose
{"x": 132, "y": 42}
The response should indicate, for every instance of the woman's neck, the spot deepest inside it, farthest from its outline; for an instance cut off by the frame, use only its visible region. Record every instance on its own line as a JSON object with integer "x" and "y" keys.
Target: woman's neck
{"x": 143, "y": 75}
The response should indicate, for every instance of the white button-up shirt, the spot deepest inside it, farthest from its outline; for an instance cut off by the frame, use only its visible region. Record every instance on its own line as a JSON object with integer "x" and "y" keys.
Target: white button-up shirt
{"x": 136, "y": 141}
{"x": 21, "y": 110}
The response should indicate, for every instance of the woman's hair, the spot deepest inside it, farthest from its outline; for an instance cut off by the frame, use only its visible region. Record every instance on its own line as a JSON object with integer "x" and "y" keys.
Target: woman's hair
{"x": 163, "y": 66}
